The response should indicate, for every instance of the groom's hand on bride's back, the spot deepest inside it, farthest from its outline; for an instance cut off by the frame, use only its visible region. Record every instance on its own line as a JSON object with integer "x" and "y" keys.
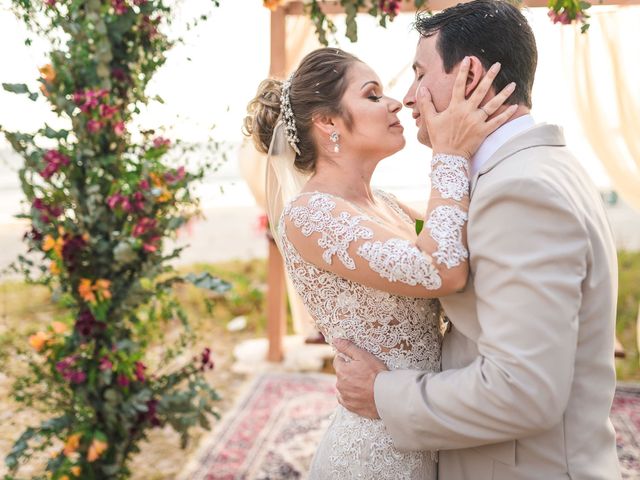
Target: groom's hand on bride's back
{"x": 356, "y": 372}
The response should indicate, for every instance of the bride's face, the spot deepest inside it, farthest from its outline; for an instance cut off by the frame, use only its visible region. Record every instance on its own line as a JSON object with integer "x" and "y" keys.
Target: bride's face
{"x": 375, "y": 129}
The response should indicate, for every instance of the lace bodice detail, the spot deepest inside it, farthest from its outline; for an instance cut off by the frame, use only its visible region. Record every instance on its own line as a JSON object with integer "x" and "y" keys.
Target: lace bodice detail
{"x": 401, "y": 331}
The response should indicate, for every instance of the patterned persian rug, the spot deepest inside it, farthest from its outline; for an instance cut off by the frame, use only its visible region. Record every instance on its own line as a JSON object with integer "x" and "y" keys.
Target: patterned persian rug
{"x": 273, "y": 432}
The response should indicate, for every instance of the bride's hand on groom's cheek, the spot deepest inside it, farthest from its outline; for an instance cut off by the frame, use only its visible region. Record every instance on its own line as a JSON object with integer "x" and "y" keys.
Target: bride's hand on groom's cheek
{"x": 356, "y": 372}
{"x": 461, "y": 128}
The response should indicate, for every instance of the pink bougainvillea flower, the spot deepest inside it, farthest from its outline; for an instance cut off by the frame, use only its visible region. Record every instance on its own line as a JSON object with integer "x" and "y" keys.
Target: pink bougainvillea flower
{"x": 175, "y": 177}
{"x": 119, "y": 128}
{"x": 105, "y": 364}
{"x": 86, "y": 324}
{"x": 123, "y": 380}
{"x": 161, "y": 142}
{"x": 54, "y": 161}
{"x": 119, "y": 6}
{"x": 143, "y": 226}
{"x": 94, "y": 126}
{"x": 107, "y": 111}
{"x": 78, "y": 98}
{"x": 390, "y": 7}
{"x": 140, "y": 368}
{"x": 115, "y": 200}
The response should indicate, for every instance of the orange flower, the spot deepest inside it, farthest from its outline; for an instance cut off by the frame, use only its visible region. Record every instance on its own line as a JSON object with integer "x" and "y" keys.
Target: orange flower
{"x": 96, "y": 449}
{"x": 166, "y": 195}
{"x": 48, "y": 75}
{"x": 102, "y": 287}
{"x": 38, "y": 341}
{"x": 76, "y": 470}
{"x": 59, "y": 327}
{"x": 54, "y": 268}
{"x": 50, "y": 243}
{"x": 272, "y": 4}
{"x": 72, "y": 444}
{"x": 86, "y": 290}
{"x": 64, "y": 477}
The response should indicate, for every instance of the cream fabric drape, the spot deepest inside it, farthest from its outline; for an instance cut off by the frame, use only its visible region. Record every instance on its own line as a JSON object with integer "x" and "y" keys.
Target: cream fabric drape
{"x": 607, "y": 93}
{"x": 301, "y": 39}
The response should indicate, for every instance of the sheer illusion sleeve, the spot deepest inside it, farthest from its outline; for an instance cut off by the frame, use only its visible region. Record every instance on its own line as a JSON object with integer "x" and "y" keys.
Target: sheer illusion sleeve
{"x": 334, "y": 235}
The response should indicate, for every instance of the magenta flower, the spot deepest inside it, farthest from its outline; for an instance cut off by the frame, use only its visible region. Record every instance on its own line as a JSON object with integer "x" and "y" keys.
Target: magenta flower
{"x": 119, "y": 129}
{"x": 71, "y": 251}
{"x": 107, "y": 111}
{"x": 123, "y": 380}
{"x": 94, "y": 126}
{"x": 140, "y": 368}
{"x": 118, "y": 74}
{"x": 138, "y": 201}
{"x": 143, "y": 185}
{"x": 390, "y": 7}
{"x": 119, "y": 6}
{"x": 86, "y": 324}
{"x": 143, "y": 226}
{"x": 105, "y": 364}
{"x": 179, "y": 175}
{"x": 78, "y": 98}
{"x": 55, "y": 160}
{"x": 78, "y": 376}
{"x": 161, "y": 142}
{"x": 205, "y": 360}
{"x": 65, "y": 368}
{"x": 114, "y": 200}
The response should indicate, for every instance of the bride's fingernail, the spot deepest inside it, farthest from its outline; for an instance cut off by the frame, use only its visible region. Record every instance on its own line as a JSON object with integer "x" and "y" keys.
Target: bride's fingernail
{"x": 512, "y": 86}
{"x": 465, "y": 61}
{"x": 495, "y": 67}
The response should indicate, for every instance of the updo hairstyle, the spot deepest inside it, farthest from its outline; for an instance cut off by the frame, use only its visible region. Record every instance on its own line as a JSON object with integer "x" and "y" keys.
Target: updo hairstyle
{"x": 317, "y": 87}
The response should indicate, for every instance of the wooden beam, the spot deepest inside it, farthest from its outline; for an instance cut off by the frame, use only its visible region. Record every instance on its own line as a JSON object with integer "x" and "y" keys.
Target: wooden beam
{"x": 331, "y": 7}
{"x": 278, "y": 43}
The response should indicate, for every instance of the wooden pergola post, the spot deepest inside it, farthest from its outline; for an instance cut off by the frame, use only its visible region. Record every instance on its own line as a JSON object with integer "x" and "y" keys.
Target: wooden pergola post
{"x": 276, "y": 299}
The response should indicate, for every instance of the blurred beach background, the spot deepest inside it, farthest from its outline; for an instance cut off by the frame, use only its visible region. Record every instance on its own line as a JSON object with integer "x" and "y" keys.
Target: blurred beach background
{"x": 206, "y": 84}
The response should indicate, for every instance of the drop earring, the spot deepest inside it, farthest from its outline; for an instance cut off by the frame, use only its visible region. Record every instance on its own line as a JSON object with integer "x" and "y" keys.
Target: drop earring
{"x": 334, "y": 137}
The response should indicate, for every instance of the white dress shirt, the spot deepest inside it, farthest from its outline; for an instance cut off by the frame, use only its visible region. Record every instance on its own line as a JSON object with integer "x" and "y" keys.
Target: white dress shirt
{"x": 498, "y": 138}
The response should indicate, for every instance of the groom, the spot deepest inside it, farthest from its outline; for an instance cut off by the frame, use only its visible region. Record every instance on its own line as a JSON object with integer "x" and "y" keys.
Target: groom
{"x": 528, "y": 372}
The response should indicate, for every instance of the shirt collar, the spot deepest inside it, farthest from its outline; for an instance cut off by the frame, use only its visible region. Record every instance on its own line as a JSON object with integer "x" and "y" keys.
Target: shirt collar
{"x": 498, "y": 138}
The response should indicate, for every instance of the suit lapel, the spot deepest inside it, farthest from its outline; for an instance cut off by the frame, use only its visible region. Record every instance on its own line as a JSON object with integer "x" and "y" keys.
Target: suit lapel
{"x": 538, "y": 135}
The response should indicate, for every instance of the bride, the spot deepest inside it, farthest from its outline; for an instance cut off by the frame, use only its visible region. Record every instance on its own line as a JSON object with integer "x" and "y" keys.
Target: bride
{"x": 352, "y": 252}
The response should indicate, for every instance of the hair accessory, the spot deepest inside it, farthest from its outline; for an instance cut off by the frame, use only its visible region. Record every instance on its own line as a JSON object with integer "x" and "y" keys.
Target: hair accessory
{"x": 287, "y": 113}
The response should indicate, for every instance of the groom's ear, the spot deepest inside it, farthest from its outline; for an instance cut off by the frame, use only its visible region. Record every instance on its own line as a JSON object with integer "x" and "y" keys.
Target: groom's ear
{"x": 476, "y": 72}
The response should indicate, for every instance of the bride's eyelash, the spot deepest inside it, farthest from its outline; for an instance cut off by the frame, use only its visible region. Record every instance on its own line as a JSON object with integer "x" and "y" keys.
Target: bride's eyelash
{"x": 375, "y": 98}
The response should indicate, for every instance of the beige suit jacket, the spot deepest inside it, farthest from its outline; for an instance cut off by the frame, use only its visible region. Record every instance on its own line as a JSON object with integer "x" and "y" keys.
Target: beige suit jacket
{"x": 528, "y": 369}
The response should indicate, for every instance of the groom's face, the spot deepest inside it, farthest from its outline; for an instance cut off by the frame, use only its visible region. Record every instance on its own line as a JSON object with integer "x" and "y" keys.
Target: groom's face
{"x": 429, "y": 72}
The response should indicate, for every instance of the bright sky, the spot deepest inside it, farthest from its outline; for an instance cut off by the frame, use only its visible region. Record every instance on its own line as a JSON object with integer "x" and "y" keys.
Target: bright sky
{"x": 210, "y": 79}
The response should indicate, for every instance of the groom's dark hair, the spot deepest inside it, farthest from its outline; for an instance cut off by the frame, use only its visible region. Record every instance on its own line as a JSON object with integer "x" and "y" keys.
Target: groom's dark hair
{"x": 493, "y": 31}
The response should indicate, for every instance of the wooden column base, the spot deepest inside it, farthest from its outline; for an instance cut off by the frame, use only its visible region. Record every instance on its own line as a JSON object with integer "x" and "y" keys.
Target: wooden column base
{"x": 276, "y": 304}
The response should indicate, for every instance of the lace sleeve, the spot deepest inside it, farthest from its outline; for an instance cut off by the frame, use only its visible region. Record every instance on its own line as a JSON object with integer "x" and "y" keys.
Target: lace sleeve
{"x": 333, "y": 235}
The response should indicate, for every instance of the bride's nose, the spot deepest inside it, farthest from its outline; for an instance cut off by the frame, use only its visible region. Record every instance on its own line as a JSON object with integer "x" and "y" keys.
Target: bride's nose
{"x": 394, "y": 105}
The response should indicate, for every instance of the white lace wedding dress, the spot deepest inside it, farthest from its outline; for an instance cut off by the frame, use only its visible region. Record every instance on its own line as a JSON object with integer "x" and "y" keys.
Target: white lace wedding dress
{"x": 399, "y": 328}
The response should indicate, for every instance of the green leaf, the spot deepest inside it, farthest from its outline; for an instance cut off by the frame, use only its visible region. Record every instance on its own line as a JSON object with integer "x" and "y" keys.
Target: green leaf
{"x": 16, "y": 87}
{"x": 419, "y": 226}
{"x": 208, "y": 282}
